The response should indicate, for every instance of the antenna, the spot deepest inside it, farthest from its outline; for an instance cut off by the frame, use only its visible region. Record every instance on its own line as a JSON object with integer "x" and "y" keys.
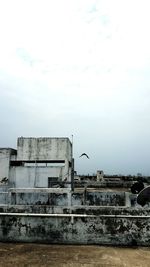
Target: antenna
{"x": 72, "y": 144}
{"x": 72, "y": 166}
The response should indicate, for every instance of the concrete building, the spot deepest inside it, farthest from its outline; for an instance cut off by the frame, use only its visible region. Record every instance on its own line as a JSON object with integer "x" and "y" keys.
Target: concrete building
{"x": 37, "y": 163}
{"x": 103, "y": 211}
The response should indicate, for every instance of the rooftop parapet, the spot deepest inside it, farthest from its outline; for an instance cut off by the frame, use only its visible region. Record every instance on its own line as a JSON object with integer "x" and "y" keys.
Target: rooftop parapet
{"x": 44, "y": 148}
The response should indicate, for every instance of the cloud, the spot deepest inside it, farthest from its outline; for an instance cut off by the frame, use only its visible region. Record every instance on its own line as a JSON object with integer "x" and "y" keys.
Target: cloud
{"x": 82, "y": 68}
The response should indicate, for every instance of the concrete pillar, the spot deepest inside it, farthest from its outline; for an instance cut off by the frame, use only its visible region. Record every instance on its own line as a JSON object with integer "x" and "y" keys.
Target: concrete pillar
{"x": 127, "y": 199}
{"x": 72, "y": 175}
{"x": 69, "y": 198}
{"x": 67, "y": 174}
{"x": 9, "y": 197}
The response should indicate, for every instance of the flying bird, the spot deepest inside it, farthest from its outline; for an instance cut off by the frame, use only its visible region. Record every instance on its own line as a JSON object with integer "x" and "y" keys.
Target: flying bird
{"x": 84, "y": 154}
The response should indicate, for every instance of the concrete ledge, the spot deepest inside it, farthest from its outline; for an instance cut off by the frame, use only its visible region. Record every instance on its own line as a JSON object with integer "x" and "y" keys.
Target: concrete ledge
{"x": 86, "y": 210}
{"x": 40, "y": 190}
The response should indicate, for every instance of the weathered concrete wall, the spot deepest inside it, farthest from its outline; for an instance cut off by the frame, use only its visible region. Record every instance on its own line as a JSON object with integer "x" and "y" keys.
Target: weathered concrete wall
{"x": 78, "y": 199}
{"x": 4, "y": 163}
{"x": 64, "y": 197}
{"x": 30, "y": 177}
{"x": 12, "y": 177}
{"x": 89, "y": 210}
{"x": 105, "y": 198}
{"x": 4, "y": 197}
{"x": 133, "y": 199}
{"x": 4, "y": 188}
{"x": 75, "y": 229}
{"x": 53, "y": 199}
{"x": 43, "y": 149}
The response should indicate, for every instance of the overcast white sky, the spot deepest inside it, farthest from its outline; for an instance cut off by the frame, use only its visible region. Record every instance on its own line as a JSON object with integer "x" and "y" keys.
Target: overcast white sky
{"x": 78, "y": 67}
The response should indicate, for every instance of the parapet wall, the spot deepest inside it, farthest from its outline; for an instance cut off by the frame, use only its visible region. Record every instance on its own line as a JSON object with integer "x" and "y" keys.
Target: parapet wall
{"x": 105, "y": 198}
{"x": 59, "y": 216}
{"x": 63, "y": 197}
{"x": 43, "y": 148}
{"x": 72, "y": 218}
{"x": 75, "y": 229}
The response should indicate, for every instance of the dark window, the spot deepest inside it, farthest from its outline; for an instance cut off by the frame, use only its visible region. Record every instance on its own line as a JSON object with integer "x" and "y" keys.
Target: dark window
{"x": 52, "y": 182}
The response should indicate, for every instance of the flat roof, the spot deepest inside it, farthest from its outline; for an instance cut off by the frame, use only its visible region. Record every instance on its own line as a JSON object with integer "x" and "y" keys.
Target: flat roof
{"x": 8, "y": 148}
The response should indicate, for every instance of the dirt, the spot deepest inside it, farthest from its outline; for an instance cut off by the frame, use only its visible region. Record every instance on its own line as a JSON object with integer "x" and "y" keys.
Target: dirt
{"x": 72, "y": 256}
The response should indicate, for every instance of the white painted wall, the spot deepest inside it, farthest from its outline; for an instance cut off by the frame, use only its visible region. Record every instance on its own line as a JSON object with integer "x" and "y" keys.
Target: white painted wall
{"x": 30, "y": 177}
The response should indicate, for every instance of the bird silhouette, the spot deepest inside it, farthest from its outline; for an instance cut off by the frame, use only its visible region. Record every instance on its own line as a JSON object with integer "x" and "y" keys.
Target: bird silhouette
{"x": 84, "y": 154}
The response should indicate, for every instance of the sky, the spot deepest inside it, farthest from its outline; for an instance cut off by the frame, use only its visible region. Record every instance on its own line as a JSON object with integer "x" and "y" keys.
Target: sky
{"x": 81, "y": 68}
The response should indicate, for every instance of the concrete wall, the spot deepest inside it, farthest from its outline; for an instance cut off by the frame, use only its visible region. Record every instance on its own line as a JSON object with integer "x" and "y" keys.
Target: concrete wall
{"x": 4, "y": 163}
{"x": 75, "y": 229}
{"x": 105, "y": 198}
{"x": 62, "y": 197}
{"x": 43, "y": 149}
{"x": 52, "y": 199}
{"x": 82, "y": 210}
{"x": 4, "y": 198}
{"x": 29, "y": 177}
{"x": 12, "y": 177}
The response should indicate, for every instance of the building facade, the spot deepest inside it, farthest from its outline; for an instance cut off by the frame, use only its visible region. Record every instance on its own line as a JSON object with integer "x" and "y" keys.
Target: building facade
{"x": 37, "y": 163}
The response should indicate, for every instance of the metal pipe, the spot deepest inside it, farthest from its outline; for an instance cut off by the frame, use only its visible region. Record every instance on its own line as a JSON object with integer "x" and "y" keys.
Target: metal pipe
{"x": 74, "y": 215}
{"x": 44, "y": 215}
